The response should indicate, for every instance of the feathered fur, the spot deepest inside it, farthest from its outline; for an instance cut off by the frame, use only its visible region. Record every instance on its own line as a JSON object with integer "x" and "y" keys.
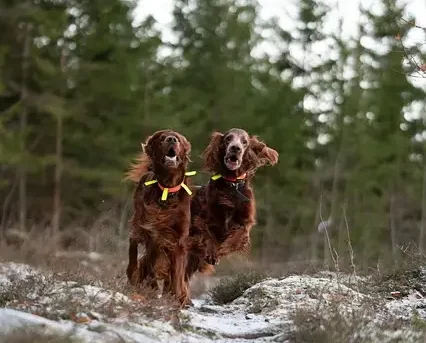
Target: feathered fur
{"x": 223, "y": 212}
{"x": 138, "y": 168}
{"x": 161, "y": 226}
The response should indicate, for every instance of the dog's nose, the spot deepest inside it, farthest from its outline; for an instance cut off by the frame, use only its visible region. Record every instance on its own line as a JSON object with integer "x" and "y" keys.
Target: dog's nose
{"x": 171, "y": 139}
{"x": 235, "y": 148}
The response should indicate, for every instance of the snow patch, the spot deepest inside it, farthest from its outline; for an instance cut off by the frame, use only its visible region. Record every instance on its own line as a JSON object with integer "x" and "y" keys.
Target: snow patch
{"x": 264, "y": 313}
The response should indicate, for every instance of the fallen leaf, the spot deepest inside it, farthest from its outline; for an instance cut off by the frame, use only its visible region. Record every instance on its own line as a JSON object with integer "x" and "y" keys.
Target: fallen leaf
{"x": 138, "y": 297}
{"x": 80, "y": 319}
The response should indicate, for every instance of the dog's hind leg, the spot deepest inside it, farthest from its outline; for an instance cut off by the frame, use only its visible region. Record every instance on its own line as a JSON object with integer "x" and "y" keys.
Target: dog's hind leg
{"x": 177, "y": 275}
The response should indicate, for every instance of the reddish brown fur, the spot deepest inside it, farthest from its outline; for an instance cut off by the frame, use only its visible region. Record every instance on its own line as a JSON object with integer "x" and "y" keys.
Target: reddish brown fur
{"x": 162, "y": 227}
{"x": 139, "y": 168}
{"x": 220, "y": 223}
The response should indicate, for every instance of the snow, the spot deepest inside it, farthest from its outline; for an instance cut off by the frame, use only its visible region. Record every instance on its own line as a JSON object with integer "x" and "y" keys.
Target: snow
{"x": 16, "y": 320}
{"x": 12, "y": 270}
{"x": 231, "y": 324}
{"x": 264, "y": 313}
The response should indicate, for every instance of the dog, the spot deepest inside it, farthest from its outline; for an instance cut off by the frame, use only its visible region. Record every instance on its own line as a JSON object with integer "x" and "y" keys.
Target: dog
{"x": 161, "y": 217}
{"x": 223, "y": 212}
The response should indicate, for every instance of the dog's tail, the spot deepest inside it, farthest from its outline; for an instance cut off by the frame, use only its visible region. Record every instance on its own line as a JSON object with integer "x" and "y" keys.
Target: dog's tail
{"x": 138, "y": 168}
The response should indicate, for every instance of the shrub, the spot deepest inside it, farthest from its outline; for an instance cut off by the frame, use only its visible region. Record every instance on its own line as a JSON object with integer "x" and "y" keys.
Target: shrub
{"x": 230, "y": 288}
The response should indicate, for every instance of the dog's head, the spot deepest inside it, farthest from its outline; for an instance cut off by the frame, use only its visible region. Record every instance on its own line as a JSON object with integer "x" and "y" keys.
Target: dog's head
{"x": 167, "y": 149}
{"x": 235, "y": 153}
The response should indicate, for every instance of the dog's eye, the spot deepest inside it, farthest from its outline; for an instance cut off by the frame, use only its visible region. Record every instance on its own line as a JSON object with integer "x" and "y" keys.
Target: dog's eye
{"x": 229, "y": 138}
{"x": 244, "y": 141}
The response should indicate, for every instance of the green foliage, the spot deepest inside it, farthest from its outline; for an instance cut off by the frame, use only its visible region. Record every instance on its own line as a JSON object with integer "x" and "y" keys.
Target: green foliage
{"x": 339, "y": 122}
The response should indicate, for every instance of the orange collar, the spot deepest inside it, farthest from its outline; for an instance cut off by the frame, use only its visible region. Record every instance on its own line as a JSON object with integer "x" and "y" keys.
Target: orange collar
{"x": 170, "y": 189}
{"x": 167, "y": 191}
{"x": 230, "y": 179}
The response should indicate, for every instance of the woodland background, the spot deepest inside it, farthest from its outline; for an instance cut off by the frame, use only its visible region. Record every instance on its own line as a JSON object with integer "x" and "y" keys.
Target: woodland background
{"x": 81, "y": 86}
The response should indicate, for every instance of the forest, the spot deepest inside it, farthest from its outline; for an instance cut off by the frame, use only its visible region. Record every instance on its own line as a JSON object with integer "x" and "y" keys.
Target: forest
{"x": 81, "y": 86}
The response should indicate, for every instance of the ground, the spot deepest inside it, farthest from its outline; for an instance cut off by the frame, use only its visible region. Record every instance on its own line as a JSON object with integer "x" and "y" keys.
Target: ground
{"x": 37, "y": 306}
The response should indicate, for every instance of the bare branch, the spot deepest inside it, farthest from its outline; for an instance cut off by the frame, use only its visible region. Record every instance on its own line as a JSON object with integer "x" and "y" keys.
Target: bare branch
{"x": 418, "y": 66}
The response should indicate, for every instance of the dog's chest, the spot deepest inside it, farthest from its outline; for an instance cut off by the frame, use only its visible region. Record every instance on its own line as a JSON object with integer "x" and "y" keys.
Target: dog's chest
{"x": 232, "y": 197}
{"x": 170, "y": 210}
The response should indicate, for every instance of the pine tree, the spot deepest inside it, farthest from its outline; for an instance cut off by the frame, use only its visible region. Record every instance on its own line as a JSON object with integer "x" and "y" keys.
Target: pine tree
{"x": 386, "y": 165}
{"x": 213, "y": 86}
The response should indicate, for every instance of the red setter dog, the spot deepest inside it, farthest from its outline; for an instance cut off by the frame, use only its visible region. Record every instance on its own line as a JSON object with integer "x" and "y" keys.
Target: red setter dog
{"x": 161, "y": 216}
{"x": 224, "y": 211}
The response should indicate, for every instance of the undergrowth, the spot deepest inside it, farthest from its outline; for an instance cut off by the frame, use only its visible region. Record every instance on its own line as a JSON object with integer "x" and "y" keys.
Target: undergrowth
{"x": 230, "y": 288}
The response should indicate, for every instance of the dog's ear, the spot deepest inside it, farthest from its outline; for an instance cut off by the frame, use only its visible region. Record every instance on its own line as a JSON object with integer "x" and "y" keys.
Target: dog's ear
{"x": 186, "y": 145}
{"x": 147, "y": 147}
{"x": 211, "y": 153}
{"x": 264, "y": 154}
{"x": 186, "y": 148}
{"x": 151, "y": 142}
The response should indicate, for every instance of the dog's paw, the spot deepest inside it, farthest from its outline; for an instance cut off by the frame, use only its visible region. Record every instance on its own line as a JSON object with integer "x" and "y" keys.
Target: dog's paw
{"x": 130, "y": 270}
{"x": 187, "y": 304}
{"x": 211, "y": 256}
{"x": 212, "y": 259}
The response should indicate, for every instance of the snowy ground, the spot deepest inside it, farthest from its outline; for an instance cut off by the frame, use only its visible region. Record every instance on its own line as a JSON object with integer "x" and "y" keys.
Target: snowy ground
{"x": 270, "y": 311}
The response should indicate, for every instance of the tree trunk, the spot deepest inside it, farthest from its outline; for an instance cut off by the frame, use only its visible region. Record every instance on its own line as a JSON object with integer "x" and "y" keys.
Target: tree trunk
{"x": 393, "y": 215}
{"x": 146, "y": 98}
{"x": 23, "y": 128}
{"x": 5, "y": 208}
{"x": 423, "y": 222}
{"x": 264, "y": 244}
{"x": 335, "y": 199}
{"x": 326, "y": 234}
{"x": 314, "y": 238}
{"x": 56, "y": 218}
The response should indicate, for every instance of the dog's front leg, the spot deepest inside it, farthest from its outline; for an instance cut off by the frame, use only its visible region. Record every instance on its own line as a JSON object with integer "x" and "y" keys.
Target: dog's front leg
{"x": 179, "y": 259}
{"x": 146, "y": 275}
{"x": 133, "y": 259}
{"x": 237, "y": 238}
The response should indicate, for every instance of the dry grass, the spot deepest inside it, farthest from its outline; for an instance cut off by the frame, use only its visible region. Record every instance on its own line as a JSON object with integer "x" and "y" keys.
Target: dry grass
{"x": 54, "y": 298}
{"x": 331, "y": 324}
{"x": 101, "y": 266}
{"x": 97, "y": 255}
{"x": 405, "y": 276}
